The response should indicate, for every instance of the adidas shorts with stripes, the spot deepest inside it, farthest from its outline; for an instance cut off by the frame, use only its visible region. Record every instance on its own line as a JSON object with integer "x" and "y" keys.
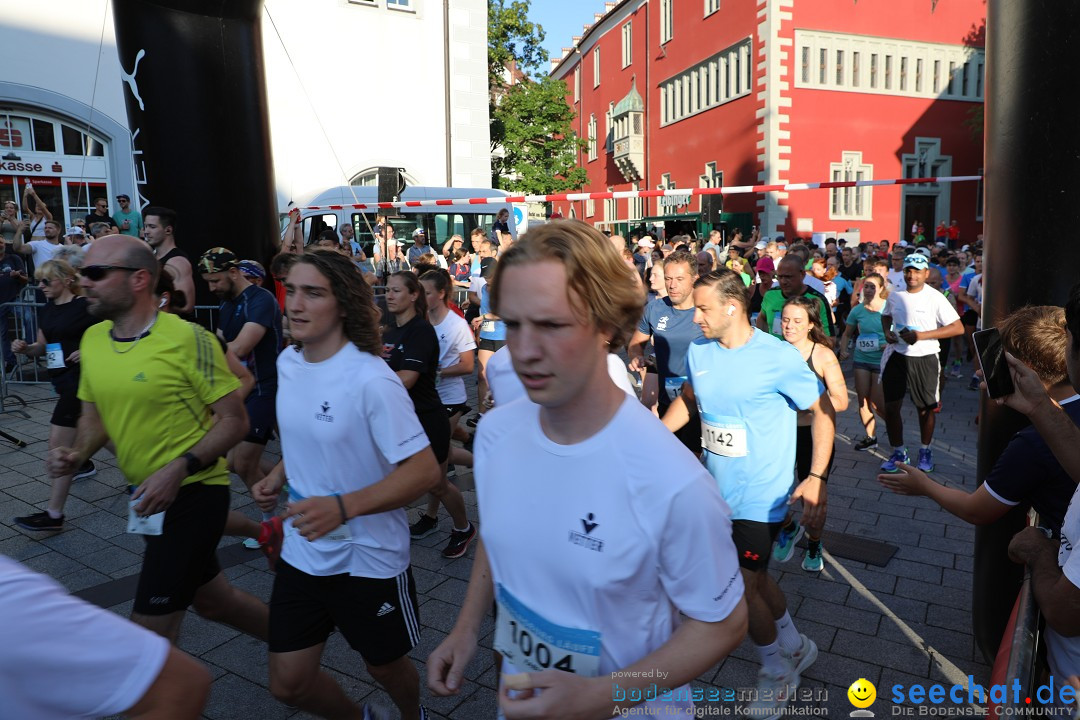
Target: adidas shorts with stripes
{"x": 377, "y": 617}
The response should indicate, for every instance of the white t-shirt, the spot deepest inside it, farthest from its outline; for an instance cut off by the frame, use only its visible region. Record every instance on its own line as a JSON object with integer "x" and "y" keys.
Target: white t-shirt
{"x": 506, "y": 386}
{"x": 455, "y": 337}
{"x": 476, "y": 284}
{"x": 603, "y": 537}
{"x": 896, "y": 279}
{"x": 1064, "y": 652}
{"x": 811, "y": 281}
{"x": 65, "y": 658}
{"x": 345, "y": 423}
{"x": 43, "y": 251}
{"x": 925, "y": 310}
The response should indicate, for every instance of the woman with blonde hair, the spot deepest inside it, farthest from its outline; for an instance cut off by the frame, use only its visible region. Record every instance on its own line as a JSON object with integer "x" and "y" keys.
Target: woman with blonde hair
{"x": 61, "y": 324}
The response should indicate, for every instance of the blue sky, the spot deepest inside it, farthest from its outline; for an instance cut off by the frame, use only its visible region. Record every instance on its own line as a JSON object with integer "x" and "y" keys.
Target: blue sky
{"x": 561, "y": 20}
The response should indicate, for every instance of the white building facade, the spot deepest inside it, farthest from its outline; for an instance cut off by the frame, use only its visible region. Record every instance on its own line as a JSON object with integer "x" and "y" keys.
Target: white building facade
{"x": 351, "y": 85}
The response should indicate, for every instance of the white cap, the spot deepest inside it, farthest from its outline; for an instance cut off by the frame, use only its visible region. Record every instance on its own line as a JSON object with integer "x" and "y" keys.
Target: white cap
{"x": 646, "y": 243}
{"x": 74, "y": 230}
{"x": 761, "y": 244}
{"x": 417, "y": 232}
{"x": 903, "y": 243}
{"x": 924, "y": 252}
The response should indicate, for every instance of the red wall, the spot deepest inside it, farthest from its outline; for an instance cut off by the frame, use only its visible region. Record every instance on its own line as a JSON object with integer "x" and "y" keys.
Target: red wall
{"x": 822, "y": 123}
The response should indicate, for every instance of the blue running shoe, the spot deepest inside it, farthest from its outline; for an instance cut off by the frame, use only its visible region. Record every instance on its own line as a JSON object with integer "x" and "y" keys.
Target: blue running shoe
{"x": 926, "y": 460}
{"x": 898, "y": 456}
{"x": 785, "y": 542}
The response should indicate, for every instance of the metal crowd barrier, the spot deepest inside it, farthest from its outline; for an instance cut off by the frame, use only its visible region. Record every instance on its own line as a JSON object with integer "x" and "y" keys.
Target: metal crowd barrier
{"x": 18, "y": 321}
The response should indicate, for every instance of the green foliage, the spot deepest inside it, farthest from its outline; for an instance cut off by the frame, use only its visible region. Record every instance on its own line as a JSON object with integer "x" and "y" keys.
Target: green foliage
{"x": 539, "y": 145}
{"x": 512, "y": 37}
{"x": 531, "y": 120}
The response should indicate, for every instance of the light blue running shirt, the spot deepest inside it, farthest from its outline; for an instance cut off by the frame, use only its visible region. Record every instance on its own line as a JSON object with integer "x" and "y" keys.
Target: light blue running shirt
{"x": 748, "y": 399}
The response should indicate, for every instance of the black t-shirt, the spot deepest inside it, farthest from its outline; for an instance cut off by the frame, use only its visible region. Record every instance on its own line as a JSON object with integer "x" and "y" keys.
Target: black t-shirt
{"x": 1028, "y": 472}
{"x": 852, "y": 273}
{"x": 9, "y": 285}
{"x": 414, "y": 346}
{"x": 255, "y": 305}
{"x": 95, "y": 218}
{"x": 65, "y": 324}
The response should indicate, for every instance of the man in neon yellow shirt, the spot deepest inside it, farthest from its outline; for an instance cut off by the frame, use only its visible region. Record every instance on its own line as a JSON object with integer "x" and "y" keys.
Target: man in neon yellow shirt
{"x": 150, "y": 383}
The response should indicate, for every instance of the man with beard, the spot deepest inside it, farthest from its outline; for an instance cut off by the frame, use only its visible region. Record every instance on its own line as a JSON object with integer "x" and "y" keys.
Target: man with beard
{"x": 160, "y": 389}
{"x": 250, "y": 322}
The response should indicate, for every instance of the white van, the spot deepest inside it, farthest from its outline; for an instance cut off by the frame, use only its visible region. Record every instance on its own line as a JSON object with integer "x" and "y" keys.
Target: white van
{"x": 439, "y": 223}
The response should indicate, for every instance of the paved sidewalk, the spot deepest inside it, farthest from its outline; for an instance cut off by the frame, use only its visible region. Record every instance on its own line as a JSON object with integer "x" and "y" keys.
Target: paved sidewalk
{"x": 908, "y": 622}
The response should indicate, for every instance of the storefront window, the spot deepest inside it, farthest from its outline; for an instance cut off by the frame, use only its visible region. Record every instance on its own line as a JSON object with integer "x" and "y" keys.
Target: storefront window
{"x": 77, "y": 142}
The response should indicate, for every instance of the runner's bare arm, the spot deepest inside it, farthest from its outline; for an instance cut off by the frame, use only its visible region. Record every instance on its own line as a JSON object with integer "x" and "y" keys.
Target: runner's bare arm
{"x": 248, "y": 337}
{"x": 446, "y": 664}
{"x": 678, "y": 413}
{"x": 90, "y": 437}
{"x": 635, "y": 350}
{"x": 182, "y": 278}
{"x": 411, "y": 479}
{"x": 179, "y": 691}
{"x": 692, "y": 649}
{"x": 1057, "y": 597}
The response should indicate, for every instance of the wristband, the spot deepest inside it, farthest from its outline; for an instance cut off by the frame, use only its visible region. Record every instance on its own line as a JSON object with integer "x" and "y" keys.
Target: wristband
{"x": 341, "y": 504}
{"x": 819, "y": 477}
{"x": 194, "y": 465}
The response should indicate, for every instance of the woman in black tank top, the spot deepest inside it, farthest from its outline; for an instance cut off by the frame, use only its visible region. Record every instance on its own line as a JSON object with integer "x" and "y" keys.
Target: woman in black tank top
{"x": 800, "y": 322}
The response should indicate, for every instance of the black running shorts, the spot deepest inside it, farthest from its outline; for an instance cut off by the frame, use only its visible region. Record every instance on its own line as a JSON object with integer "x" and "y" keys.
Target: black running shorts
{"x": 379, "y": 618}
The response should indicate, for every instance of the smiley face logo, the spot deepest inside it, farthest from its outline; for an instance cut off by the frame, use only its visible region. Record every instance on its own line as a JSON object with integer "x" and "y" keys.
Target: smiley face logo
{"x": 862, "y": 693}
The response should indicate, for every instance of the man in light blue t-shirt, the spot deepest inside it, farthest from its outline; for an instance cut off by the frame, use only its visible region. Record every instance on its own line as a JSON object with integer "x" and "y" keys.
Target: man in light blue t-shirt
{"x": 127, "y": 220}
{"x": 747, "y": 386}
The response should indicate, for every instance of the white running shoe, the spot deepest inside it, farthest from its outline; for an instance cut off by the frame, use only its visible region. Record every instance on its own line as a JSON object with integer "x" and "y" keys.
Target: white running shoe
{"x": 773, "y": 693}
{"x": 802, "y": 658}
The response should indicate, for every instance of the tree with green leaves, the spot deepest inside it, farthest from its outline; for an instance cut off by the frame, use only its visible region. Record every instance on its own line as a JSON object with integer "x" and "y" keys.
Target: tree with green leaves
{"x": 531, "y": 121}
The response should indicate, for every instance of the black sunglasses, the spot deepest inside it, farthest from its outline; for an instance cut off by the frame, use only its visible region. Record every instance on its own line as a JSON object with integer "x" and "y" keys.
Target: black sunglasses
{"x": 96, "y": 272}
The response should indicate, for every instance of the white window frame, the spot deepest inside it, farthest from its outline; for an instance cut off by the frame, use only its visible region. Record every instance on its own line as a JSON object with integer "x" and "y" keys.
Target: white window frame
{"x": 715, "y": 81}
{"x": 851, "y": 203}
{"x": 898, "y": 67}
{"x": 592, "y": 137}
{"x": 609, "y": 129}
{"x": 711, "y": 178}
{"x": 665, "y": 184}
{"x": 400, "y": 5}
{"x": 627, "y": 43}
{"x": 577, "y": 83}
{"x": 596, "y": 67}
{"x": 637, "y": 205}
{"x": 667, "y": 21}
{"x": 611, "y": 208}
{"x": 590, "y": 208}
{"x": 711, "y": 6}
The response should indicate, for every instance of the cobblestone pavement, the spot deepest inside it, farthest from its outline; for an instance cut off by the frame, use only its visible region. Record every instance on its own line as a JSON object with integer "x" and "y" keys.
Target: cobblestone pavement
{"x": 907, "y": 622}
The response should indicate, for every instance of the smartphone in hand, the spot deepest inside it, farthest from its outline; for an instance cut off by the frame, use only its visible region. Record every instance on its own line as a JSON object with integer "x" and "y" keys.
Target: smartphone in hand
{"x": 992, "y": 361}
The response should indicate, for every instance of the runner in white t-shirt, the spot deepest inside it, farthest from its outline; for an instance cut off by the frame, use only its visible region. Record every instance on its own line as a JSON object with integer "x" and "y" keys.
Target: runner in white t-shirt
{"x": 913, "y": 321}
{"x": 506, "y": 386}
{"x": 592, "y": 547}
{"x": 65, "y": 658}
{"x": 456, "y": 360}
{"x": 355, "y": 455}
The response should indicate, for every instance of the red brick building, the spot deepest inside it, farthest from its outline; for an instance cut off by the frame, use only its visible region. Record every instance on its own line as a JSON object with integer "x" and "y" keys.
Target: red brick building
{"x": 695, "y": 93}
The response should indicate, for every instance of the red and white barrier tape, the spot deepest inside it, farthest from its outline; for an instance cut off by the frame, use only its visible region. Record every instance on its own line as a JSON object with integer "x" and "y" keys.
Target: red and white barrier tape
{"x": 687, "y": 192}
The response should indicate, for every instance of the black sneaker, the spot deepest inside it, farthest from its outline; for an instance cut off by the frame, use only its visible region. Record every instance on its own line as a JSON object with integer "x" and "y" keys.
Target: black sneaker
{"x": 425, "y": 525}
{"x": 866, "y": 443}
{"x": 40, "y": 521}
{"x": 471, "y": 422}
{"x": 459, "y": 542}
{"x": 87, "y": 470}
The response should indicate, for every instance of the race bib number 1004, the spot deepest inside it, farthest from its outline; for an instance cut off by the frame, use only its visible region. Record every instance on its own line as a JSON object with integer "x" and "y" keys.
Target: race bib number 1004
{"x": 528, "y": 640}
